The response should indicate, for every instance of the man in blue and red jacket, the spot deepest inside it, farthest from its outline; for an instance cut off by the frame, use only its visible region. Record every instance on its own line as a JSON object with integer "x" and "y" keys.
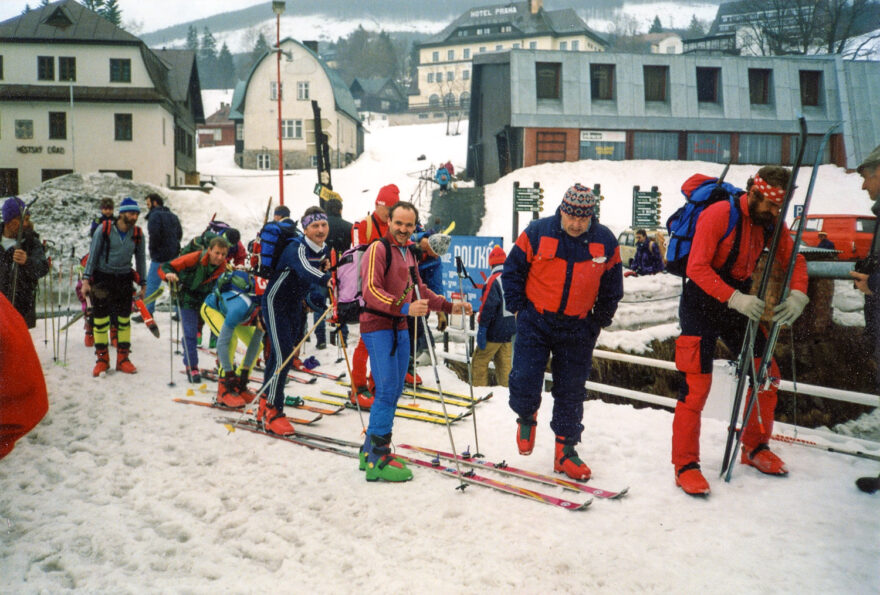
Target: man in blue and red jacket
{"x": 563, "y": 279}
{"x": 716, "y": 304}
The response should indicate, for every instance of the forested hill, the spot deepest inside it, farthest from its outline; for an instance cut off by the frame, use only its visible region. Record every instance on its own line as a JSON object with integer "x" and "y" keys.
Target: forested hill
{"x": 368, "y": 10}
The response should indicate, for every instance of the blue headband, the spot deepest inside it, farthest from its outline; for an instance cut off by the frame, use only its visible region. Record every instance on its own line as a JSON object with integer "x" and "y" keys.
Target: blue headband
{"x": 309, "y": 219}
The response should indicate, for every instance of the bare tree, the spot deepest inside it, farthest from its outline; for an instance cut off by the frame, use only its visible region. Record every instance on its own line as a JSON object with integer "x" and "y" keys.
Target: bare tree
{"x": 841, "y": 20}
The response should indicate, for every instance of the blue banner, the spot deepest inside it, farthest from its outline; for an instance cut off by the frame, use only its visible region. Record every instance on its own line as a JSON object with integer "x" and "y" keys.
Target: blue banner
{"x": 474, "y": 253}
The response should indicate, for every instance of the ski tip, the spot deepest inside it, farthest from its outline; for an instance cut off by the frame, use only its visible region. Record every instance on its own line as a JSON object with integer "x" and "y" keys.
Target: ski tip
{"x": 229, "y": 427}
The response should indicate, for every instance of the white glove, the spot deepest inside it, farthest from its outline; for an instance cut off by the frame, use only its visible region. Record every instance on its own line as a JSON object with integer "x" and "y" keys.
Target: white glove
{"x": 789, "y": 310}
{"x": 748, "y": 305}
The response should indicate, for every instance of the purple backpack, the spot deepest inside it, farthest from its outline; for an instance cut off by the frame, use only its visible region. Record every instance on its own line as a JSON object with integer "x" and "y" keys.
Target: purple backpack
{"x": 349, "y": 296}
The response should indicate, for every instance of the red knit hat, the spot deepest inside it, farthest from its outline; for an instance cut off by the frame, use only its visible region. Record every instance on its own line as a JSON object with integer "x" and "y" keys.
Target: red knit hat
{"x": 497, "y": 256}
{"x": 388, "y": 196}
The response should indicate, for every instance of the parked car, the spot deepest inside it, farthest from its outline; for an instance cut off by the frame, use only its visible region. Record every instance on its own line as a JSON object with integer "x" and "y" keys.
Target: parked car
{"x": 850, "y": 234}
{"x": 627, "y": 242}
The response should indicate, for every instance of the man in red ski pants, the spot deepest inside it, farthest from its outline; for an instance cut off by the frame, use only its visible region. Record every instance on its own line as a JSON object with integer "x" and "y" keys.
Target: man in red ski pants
{"x": 716, "y": 304}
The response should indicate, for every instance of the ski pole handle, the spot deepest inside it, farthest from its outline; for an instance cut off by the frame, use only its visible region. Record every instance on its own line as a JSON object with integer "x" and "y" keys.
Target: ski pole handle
{"x": 459, "y": 267}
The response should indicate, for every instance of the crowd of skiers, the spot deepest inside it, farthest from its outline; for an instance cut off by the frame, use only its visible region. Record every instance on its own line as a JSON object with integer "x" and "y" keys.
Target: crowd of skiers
{"x": 557, "y": 288}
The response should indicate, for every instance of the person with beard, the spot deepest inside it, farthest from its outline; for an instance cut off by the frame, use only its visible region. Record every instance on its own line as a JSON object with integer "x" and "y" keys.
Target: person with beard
{"x": 22, "y": 260}
{"x": 715, "y": 303}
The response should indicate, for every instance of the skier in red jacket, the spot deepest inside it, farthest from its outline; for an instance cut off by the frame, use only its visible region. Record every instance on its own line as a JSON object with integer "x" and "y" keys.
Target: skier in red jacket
{"x": 716, "y": 304}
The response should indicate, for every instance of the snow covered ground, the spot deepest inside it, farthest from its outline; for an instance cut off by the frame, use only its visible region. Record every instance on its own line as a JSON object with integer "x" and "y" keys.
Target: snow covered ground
{"x": 120, "y": 489}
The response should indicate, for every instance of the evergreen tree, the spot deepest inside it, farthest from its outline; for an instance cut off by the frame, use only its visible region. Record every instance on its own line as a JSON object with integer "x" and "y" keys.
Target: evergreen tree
{"x": 207, "y": 60}
{"x": 695, "y": 29}
{"x": 656, "y": 27}
{"x": 93, "y": 5}
{"x": 225, "y": 68}
{"x": 192, "y": 39}
{"x": 27, "y": 8}
{"x": 260, "y": 47}
{"x": 111, "y": 11}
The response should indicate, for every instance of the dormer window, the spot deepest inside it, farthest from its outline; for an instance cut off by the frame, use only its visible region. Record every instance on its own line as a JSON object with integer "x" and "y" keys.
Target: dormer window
{"x": 58, "y": 18}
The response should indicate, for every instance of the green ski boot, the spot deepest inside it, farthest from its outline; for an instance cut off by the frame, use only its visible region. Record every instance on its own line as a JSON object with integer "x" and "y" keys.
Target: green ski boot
{"x": 377, "y": 461}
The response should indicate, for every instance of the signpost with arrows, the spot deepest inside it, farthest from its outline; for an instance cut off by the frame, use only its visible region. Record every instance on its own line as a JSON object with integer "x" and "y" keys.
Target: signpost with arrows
{"x": 646, "y": 208}
{"x": 526, "y": 199}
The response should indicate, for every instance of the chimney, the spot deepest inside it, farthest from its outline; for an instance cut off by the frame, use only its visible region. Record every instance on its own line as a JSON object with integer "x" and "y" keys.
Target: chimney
{"x": 535, "y": 6}
{"x": 312, "y": 45}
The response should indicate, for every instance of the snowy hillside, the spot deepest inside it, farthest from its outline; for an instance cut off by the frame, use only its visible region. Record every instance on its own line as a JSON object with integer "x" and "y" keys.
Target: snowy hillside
{"x": 120, "y": 489}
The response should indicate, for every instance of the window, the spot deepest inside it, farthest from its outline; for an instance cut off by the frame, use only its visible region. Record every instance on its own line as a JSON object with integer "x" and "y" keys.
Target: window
{"x": 516, "y": 46}
{"x": 122, "y": 126}
{"x": 124, "y": 174}
{"x": 449, "y": 100}
{"x": 655, "y": 82}
{"x": 547, "y": 76}
{"x": 563, "y": 45}
{"x": 467, "y": 53}
{"x": 506, "y": 29}
{"x": 263, "y": 161}
{"x": 120, "y": 70}
{"x": 759, "y": 86}
{"x": 465, "y": 75}
{"x": 435, "y": 56}
{"x": 302, "y": 90}
{"x": 24, "y": 129}
{"x": 465, "y": 99}
{"x": 811, "y": 87}
{"x": 313, "y": 161}
{"x": 45, "y": 68}
{"x": 439, "y": 77}
{"x": 498, "y": 47}
{"x": 602, "y": 81}
{"x": 291, "y": 129}
{"x": 48, "y": 174}
{"x": 575, "y": 46}
{"x": 533, "y": 45}
{"x": 1, "y": 68}
{"x": 813, "y": 225}
{"x": 549, "y": 147}
{"x": 434, "y": 100}
{"x": 450, "y": 55}
{"x": 866, "y": 225}
{"x": 708, "y": 85}
{"x": 450, "y": 76}
{"x": 239, "y": 131}
{"x": 482, "y": 49}
{"x": 273, "y": 90}
{"x": 66, "y": 69}
{"x": 430, "y": 77}
{"x": 58, "y": 125}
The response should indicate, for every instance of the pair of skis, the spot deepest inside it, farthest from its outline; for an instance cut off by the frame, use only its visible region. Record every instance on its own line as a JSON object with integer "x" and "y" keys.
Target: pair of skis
{"x": 745, "y": 365}
{"x": 350, "y": 449}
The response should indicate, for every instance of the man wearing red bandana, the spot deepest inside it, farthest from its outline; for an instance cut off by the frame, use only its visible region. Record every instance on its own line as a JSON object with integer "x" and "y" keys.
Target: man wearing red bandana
{"x": 716, "y": 304}
{"x": 562, "y": 280}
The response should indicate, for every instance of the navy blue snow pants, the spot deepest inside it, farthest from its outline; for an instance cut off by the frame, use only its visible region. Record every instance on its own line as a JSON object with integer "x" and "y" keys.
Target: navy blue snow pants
{"x": 571, "y": 341}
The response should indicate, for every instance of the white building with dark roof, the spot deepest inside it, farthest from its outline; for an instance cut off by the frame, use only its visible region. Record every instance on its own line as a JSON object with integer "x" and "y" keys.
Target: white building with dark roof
{"x": 78, "y": 94}
{"x": 445, "y": 59}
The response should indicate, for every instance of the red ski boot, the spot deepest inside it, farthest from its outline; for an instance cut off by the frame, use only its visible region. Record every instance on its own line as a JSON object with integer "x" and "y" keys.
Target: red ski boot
{"x": 567, "y": 460}
{"x": 123, "y": 364}
{"x": 103, "y": 363}
{"x": 690, "y": 479}
{"x": 525, "y": 433}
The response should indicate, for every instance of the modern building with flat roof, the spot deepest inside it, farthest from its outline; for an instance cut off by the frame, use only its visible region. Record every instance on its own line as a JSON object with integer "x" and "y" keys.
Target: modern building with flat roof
{"x": 532, "y": 107}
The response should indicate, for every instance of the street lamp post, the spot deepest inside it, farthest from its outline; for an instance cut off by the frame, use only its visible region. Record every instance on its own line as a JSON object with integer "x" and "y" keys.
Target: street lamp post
{"x": 278, "y": 9}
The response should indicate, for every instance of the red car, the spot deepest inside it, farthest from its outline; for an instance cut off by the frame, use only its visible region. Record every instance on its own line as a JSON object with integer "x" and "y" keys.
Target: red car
{"x": 851, "y": 234}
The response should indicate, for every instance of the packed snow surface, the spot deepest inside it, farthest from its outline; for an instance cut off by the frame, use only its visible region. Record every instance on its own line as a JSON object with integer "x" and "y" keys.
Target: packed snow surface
{"x": 120, "y": 489}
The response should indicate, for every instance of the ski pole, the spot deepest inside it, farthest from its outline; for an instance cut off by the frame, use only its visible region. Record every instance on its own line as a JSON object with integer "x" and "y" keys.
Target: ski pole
{"x": 341, "y": 341}
{"x": 746, "y": 353}
{"x": 270, "y": 377}
{"x": 52, "y": 309}
{"x": 70, "y": 290}
{"x": 762, "y": 372}
{"x": 184, "y": 344}
{"x": 45, "y": 292}
{"x": 173, "y": 290}
{"x": 415, "y": 280}
{"x": 459, "y": 266}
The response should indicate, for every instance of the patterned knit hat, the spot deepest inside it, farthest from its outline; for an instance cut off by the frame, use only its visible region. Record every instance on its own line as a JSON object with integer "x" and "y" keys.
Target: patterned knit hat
{"x": 129, "y": 205}
{"x": 579, "y": 201}
{"x": 439, "y": 243}
{"x": 497, "y": 256}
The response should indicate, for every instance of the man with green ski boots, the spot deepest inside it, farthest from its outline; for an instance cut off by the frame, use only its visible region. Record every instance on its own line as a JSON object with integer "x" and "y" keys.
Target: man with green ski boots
{"x": 389, "y": 294}
{"x": 562, "y": 279}
{"x": 715, "y": 303}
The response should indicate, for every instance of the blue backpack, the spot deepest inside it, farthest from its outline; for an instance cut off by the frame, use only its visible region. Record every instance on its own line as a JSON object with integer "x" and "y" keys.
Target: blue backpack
{"x": 274, "y": 238}
{"x": 700, "y": 192}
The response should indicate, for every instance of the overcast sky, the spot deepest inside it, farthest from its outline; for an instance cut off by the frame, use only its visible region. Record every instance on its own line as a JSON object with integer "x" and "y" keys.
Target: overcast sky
{"x": 150, "y": 15}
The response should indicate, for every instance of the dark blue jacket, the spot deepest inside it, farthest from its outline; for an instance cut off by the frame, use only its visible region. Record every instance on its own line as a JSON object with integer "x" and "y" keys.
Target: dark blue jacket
{"x": 499, "y": 322}
{"x": 165, "y": 234}
{"x": 580, "y": 277}
{"x": 647, "y": 260}
{"x": 299, "y": 272}
{"x": 98, "y": 221}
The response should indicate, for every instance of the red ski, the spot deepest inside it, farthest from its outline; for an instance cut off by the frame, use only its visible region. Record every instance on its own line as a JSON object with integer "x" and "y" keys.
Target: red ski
{"x": 148, "y": 318}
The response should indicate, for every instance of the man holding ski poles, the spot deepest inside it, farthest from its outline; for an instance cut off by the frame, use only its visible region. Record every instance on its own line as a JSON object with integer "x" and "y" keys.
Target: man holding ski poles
{"x": 387, "y": 272}
{"x": 562, "y": 279}
{"x": 108, "y": 278}
{"x": 715, "y": 303}
{"x": 22, "y": 260}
